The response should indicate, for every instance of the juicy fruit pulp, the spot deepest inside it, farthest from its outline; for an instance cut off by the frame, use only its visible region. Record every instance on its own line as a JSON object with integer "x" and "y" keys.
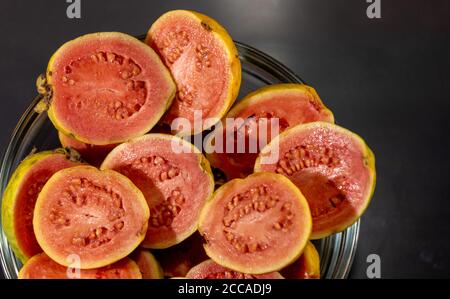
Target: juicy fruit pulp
{"x": 98, "y": 215}
{"x": 20, "y": 197}
{"x": 211, "y": 270}
{"x": 93, "y": 154}
{"x": 204, "y": 63}
{"x": 148, "y": 265}
{"x": 256, "y": 225}
{"x": 42, "y": 267}
{"x": 106, "y": 88}
{"x": 176, "y": 185}
{"x": 307, "y": 266}
{"x": 333, "y": 168}
{"x": 276, "y": 101}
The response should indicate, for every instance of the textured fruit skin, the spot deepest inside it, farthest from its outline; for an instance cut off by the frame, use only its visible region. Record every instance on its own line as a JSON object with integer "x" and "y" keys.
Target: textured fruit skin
{"x": 58, "y": 120}
{"x": 307, "y": 266}
{"x": 118, "y": 156}
{"x": 259, "y": 98}
{"x": 367, "y": 157}
{"x": 147, "y": 263}
{"x": 232, "y": 57}
{"x": 210, "y": 268}
{"x": 93, "y": 154}
{"x": 87, "y": 258}
{"x": 41, "y": 266}
{"x": 11, "y": 195}
{"x": 289, "y": 254}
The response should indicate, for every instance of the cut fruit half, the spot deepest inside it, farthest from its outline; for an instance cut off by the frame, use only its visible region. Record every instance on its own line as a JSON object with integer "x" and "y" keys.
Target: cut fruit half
{"x": 211, "y": 270}
{"x": 333, "y": 167}
{"x": 288, "y": 104}
{"x": 105, "y": 88}
{"x": 99, "y": 216}
{"x": 175, "y": 178}
{"x": 204, "y": 63}
{"x": 41, "y": 266}
{"x": 21, "y": 194}
{"x": 256, "y": 225}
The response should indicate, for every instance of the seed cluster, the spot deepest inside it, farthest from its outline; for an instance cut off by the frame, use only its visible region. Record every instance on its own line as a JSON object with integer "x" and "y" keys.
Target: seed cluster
{"x": 229, "y": 275}
{"x": 164, "y": 213}
{"x": 173, "y": 45}
{"x": 202, "y": 57}
{"x": 126, "y": 69}
{"x": 186, "y": 95}
{"x": 167, "y": 171}
{"x": 255, "y": 200}
{"x": 81, "y": 192}
{"x": 333, "y": 203}
{"x": 120, "y": 109}
{"x": 32, "y": 194}
{"x": 306, "y": 156}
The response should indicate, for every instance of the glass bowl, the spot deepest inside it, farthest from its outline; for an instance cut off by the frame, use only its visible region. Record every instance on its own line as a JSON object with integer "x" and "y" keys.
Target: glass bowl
{"x": 35, "y": 131}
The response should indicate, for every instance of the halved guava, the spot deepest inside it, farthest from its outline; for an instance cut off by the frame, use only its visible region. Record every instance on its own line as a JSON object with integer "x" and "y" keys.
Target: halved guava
{"x": 21, "y": 194}
{"x": 104, "y": 88}
{"x": 93, "y": 154}
{"x": 101, "y": 216}
{"x": 175, "y": 178}
{"x": 148, "y": 265}
{"x": 41, "y": 266}
{"x": 177, "y": 260}
{"x": 291, "y": 104}
{"x": 256, "y": 225}
{"x": 204, "y": 63}
{"x": 307, "y": 266}
{"x": 333, "y": 167}
{"x": 211, "y": 270}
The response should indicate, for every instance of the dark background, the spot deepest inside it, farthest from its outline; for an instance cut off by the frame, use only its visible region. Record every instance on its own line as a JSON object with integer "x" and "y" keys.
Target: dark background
{"x": 386, "y": 79}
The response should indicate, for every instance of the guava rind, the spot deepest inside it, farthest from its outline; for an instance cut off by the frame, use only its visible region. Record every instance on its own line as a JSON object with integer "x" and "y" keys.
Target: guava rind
{"x": 367, "y": 160}
{"x": 123, "y": 155}
{"x": 93, "y": 154}
{"x": 148, "y": 265}
{"x": 307, "y": 266}
{"x": 41, "y": 266}
{"x": 259, "y": 263}
{"x": 231, "y": 52}
{"x": 60, "y": 122}
{"x": 12, "y": 192}
{"x": 307, "y": 99}
{"x": 209, "y": 267}
{"x": 58, "y": 249}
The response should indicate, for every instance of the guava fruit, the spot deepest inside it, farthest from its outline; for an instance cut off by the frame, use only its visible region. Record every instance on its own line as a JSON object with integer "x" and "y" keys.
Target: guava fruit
{"x": 256, "y": 225}
{"x": 175, "y": 179}
{"x": 148, "y": 265}
{"x": 204, "y": 63}
{"x": 41, "y": 266}
{"x": 290, "y": 103}
{"x": 307, "y": 266}
{"x": 93, "y": 154}
{"x": 100, "y": 216}
{"x": 104, "y": 88}
{"x": 333, "y": 167}
{"x": 20, "y": 197}
{"x": 211, "y": 270}
{"x": 177, "y": 260}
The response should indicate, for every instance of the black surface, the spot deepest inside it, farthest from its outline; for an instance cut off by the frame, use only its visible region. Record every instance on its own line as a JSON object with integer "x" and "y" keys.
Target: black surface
{"x": 386, "y": 79}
